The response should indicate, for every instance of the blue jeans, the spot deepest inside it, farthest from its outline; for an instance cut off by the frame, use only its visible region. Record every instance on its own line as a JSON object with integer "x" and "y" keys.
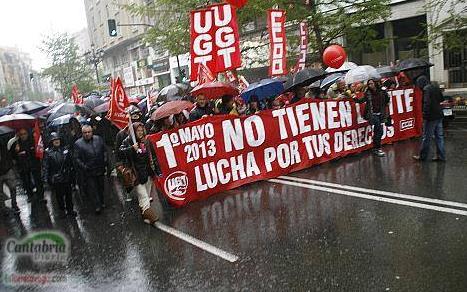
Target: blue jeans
{"x": 431, "y": 128}
{"x": 377, "y": 122}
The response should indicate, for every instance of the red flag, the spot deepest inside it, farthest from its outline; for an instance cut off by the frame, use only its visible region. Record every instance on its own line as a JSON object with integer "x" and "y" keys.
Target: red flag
{"x": 303, "y": 46}
{"x": 38, "y": 143}
{"x": 277, "y": 42}
{"x": 118, "y": 104}
{"x": 214, "y": 39}
{"x": 76, "y": 95}
{"x": 204, "y": 74}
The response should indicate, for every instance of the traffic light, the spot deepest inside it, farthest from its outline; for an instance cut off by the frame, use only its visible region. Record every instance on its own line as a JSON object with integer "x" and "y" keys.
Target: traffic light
{"x": 112, "y": 27}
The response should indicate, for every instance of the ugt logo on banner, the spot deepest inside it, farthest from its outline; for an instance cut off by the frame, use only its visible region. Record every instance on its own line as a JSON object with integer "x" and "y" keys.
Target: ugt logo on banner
{"x": 277, "y": 42}
{"x": 214, "y": 39}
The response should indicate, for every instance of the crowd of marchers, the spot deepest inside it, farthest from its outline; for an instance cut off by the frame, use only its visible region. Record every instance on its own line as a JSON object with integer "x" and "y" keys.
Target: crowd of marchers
{"x": 82, "y": 155}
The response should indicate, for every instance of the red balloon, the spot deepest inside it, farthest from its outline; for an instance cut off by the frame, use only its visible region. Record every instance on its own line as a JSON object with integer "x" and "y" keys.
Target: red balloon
{"x": 334, "y": 56}
{"x": 237, "y": 3}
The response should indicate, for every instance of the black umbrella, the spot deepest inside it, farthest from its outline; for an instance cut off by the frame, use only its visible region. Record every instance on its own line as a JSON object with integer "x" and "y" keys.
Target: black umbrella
{"x": 5, "y": 110}
{"x": 66, "y": 119}
{"x": 93, "y": 101}
{"x": 6, "y": 130}
{"x": 387, "y": 71}
{"x": 67, "y": 108}
{"x": 413, "y": 64}
{"x": 306, "y": 77}
{"x": 28, "y": 107}
{"x": 331, "y": 79}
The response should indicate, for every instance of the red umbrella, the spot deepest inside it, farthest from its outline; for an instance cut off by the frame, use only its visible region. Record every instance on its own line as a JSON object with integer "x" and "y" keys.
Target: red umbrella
{"x": 171, "y": 108}
{"x": 17, "y": 121}
{"x": 216, "y": 89}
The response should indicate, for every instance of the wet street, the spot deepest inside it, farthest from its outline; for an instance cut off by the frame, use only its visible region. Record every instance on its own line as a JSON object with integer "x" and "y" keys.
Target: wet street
{"x": 360, "y": 223}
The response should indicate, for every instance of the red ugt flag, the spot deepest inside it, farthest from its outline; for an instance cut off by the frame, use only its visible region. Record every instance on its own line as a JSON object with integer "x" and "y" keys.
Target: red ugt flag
{"x": 118, "y": 104}
{"x": 76, "y": 95}
{"x": 38, "y": 143}
{"x": 204, "y": 74}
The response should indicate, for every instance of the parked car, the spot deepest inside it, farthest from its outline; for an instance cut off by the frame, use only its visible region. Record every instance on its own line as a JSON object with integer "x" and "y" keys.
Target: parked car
{"x": 448, "y": 106}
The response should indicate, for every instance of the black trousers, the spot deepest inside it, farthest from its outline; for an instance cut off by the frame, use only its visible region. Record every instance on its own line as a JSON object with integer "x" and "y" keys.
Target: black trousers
{"x": 64, "y": 196}
{"x": 95, "y": 189}
{"x": 27, "y": 177}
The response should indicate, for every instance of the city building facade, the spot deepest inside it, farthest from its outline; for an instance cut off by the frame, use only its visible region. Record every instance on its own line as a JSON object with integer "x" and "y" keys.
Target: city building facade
{"x": 143, "y": 67}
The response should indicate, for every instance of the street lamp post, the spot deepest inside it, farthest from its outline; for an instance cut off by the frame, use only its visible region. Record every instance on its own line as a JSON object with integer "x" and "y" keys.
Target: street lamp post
{"x": 95, "y": 57}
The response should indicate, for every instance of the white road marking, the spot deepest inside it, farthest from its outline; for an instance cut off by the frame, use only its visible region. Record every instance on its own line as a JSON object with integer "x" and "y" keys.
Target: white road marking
{"x": 370, "y": 197}
{"x": 196, "y": 242}
{"x": 376, "y": 192}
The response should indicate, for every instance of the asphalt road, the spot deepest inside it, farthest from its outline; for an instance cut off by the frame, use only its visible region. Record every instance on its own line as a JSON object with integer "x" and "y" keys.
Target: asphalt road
{"x": 360, "y": 223}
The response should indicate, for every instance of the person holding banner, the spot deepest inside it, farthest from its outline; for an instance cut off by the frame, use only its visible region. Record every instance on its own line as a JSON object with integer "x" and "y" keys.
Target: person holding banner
{"x": 142, "y": 158}
{"x": 376, "y": 100}
{"x": 226, "y": 106}
{"x": 201, "y": 109}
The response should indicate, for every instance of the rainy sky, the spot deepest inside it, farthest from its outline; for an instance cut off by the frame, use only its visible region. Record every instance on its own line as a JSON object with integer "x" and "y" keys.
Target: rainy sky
{"x": 24, "y": 23}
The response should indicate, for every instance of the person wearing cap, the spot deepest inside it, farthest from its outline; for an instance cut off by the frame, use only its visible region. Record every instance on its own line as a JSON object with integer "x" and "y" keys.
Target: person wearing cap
{"x": 142, "y": 158}
{"x": 57, "y": 169}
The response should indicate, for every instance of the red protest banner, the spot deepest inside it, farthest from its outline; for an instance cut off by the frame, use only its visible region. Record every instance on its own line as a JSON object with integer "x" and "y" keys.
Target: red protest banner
{"x": 224, "y": 152}
{"x": 277, "y": 43}
{"x": 303, "y": 46}
{"x": 38, "y": 142}
{"x": 118, "y": 104}
{"x": 214, "y": 39}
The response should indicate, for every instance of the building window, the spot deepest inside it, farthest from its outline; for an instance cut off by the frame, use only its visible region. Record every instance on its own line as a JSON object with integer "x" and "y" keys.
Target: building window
{"x": 362, "y": 50}
{"x": 135, "y": 54}
{"x": 410, "y": 38}
{"x": 455, "y": 62}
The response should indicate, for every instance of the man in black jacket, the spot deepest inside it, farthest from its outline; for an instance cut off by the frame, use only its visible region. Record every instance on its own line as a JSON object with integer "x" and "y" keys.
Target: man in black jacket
{"x": 202, "y": 108}
{"x": 57, "y": 169}
{"x": 91, "y": 157}
{"x": 7, "y": 174}
{"x": 23, "y": 152}
{"x": 432, "y": 120}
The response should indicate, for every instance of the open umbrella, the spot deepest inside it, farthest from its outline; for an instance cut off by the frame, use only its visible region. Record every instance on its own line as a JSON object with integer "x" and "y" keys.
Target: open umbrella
{"x": 171, "y": 108}
{"x": 168, "y": 93}
{"x": 102, "y": 108}
{"x": 361, "y": 74}
{"x": 307, "y": 76}
{"x": 331, "y": 79}
{"x": 17, "y": 121}
{"x": 28, "y": 107}
{"x": 67, "y": 108}
{"x": 5, "y": 111}
{"x": 387, "y": 71}
{"x": 216, "y": 89}
{"x": 263, "y": 89}
{"x": 413, "y": 64}
{"x": 344, "y": 68}
{"x": 65, "y": 120}
{"x": 93, "y": 101}
{"x": 6, "y": 130}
